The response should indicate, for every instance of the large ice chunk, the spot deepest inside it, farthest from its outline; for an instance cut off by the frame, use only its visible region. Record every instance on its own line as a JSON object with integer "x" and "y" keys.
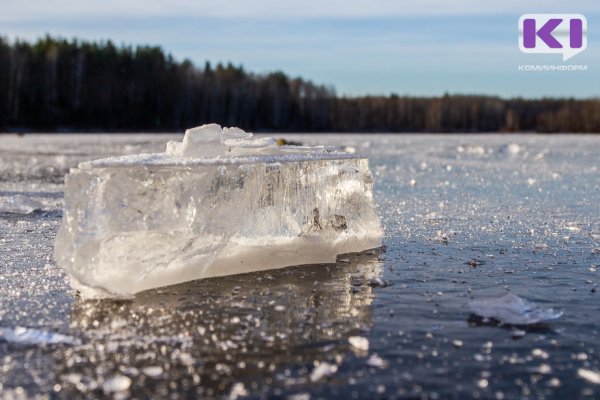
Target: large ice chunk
{"x": 220, "y": 202}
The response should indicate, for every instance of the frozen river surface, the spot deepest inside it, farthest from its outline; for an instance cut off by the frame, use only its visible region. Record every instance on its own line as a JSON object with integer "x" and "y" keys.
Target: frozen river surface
{"x": 467, "y": 218}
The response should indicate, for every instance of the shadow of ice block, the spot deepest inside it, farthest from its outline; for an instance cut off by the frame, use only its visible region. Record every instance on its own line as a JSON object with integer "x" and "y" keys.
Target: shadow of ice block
{"x": 138, "y": 222}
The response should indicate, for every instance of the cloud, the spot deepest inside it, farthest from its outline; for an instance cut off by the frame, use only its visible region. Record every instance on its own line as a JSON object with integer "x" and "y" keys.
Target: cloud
{"x": 19, "y": 10}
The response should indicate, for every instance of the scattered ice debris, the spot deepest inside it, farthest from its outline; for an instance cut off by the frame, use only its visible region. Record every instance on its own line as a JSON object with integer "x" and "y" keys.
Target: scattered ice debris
{"x": 542, "y": 369}
{"x": 474, "y": 262}
{"x": 513, "y": 310}
{"x": 517, "y": 333}
{"x": 218, "y": 203}
{"x": 378, "y": 283}
{"x": 377, "y": 362}
{"x": 539, "y": 353}
{"x": 116, "y": 384}
{"x": 444, "y": 236}
{"x": 237, "y": 390}
{"x": 29, "y": 336}
{"x": 471, "y": 149}
{"x": 359, "y": 343}
{"x": 589, "y": 375}
{"x": 457, "y": 343}
{"x": 298, "y": 396}
{"x": 324, "y": 369}
{"x": 510, "y": 148}
{"x": 153, "y": 371}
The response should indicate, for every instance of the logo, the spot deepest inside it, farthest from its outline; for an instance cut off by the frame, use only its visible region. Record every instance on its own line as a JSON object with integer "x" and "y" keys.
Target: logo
{"x": 565, "y": 34}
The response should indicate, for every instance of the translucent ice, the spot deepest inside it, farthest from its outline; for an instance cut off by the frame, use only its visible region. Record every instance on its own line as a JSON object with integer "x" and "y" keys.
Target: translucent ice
{"x": 220, "y": 202}
{"x": 29, "y": 336}
{"x": 19, "y": 204}
{"x": 513, "y": 310}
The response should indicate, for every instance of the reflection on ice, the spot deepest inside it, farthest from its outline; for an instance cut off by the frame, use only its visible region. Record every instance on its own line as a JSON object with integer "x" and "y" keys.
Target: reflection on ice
{"x": 219, "y": 332}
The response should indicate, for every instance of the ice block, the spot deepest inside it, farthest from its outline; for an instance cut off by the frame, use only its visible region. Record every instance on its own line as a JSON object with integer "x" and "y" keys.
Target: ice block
{"x": 220, "y": 202}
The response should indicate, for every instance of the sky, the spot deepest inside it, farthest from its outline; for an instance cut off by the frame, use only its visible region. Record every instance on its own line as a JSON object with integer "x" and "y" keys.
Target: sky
{"x": 407, "y": 47}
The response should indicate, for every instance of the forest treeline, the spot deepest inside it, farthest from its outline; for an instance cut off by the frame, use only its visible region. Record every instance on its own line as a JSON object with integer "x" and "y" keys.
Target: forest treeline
{"x": 57, "y": 84}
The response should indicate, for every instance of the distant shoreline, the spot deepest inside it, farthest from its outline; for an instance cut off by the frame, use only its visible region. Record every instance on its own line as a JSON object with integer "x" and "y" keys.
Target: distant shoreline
{"x": 55, "y": 85}
{"x": 283, "y": 133}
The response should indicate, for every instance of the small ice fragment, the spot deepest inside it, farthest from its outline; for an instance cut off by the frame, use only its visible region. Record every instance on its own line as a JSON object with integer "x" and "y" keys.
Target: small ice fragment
{"x": 19, "y": 204}
{"x": 237, "y": 390}
{"x": 377, "y": 362}
{"x": 539, "y": 353}
{"x": 513, "y": 310}
{"x": 153, "y": 371}
{"x": 554, "y": 382}
{"x": 543, "y": 369}
{"x": 29, "y": 336}
{"x": 359, "y": 343}
{"x": 471, "y": 149}
{"x": 517, "y": 333}
{"x": 118, "y": 383}
{"x": 457, "y": 343}
{"x": 510, "y": 148}
{"x": 322, "y": 370}
{"x": 186, "y": 359}
{"x": 298, "y": 396}
{"x": 378, "y": 282}
{"x": 589, "y": 375}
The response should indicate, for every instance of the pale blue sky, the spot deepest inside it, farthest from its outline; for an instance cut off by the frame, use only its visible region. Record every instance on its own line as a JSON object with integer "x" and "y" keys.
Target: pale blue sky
{"x": 414, "y": 47}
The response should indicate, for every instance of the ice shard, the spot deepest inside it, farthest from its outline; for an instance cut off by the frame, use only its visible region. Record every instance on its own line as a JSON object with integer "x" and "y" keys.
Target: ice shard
{"x": 220, "y": 202}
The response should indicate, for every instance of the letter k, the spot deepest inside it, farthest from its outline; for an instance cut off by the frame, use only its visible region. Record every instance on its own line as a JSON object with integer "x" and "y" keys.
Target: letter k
{"x": 545, "y": 33}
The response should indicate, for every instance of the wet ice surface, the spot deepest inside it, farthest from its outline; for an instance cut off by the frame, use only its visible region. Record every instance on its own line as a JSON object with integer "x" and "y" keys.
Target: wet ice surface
{"x": 467, "y": 218}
